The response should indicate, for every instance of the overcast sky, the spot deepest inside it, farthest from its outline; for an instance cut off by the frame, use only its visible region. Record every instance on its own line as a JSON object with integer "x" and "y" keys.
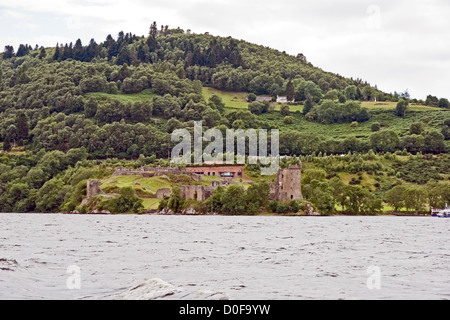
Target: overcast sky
{"x": 397, "y": 45}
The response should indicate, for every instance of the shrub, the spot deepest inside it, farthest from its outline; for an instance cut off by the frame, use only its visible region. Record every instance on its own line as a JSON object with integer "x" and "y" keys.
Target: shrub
{"x": 288, "y": 120}
{"x": 282, "y": 208}
{"x": 376, "y": 126}
{"x": 285, "y": 110}
{"x": 126, "y": 202}
{"x": 273, "y": 205}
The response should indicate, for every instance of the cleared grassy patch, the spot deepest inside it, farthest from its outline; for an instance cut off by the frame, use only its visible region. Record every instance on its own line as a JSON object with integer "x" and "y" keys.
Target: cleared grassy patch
{"x": 120, "y": 181}
{"x": 145, "y": 95}
{"x": 388, "y": 105}
{"x": 146, "y": 186}
{"x": 151, "y": 204}
{"x": 155, "y": 183}
{"x": 292, "y": 108}
{"x": 234, "y": 100}
{"x": 206, "y": 180}
{"x": 238, "y": 100}
{"x": 16, "y": 151}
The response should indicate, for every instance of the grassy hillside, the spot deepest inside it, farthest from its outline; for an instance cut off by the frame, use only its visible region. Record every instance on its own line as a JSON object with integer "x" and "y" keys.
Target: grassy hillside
{"x": 238, "y": 100}
{"x": 144, "y": 95}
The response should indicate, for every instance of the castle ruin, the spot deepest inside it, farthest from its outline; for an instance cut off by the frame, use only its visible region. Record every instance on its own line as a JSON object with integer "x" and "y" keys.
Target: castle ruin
{"x": 93, "y": 188}
{"x": 288, "y": 185}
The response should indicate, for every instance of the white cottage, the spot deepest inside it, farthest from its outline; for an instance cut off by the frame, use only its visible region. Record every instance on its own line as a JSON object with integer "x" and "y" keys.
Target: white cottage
{"x": 282, "y": 99}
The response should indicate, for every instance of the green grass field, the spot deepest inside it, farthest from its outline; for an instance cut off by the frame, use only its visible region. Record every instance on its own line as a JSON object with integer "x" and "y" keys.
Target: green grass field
{"x": 388, "y": 105}
{"x": 233, "y": 100}
{"x": 142, "y": 185}
{"x": 151, "y": 204}
{"x": 147, "y": 94}
{"x": 206, "y": 180}
{"x": 238, "y": 100}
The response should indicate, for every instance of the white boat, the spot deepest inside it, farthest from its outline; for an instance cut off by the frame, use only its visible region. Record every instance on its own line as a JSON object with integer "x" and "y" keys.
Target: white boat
{"x": 441, "y": 213}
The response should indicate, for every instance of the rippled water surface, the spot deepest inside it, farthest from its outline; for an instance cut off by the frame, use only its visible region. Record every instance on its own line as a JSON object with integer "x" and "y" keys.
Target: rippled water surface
{"x": 173, "y": 257}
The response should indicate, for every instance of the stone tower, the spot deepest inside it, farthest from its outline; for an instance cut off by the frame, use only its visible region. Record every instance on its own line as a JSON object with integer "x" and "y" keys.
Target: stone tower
{"x": 289, "y": 184}
{"x": 93, "y": 188}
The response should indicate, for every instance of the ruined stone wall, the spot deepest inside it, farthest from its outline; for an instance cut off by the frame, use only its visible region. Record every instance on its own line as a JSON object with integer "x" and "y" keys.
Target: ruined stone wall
{"x": 162, "y": 193}
{"x": 93, "y": 188}
{"x": 238, "y": 171}
{"x": 273, "y": 195}
{"x": 132, "y": 172}
{"x": 289, "y": 184}
{"x": 199, "y": 193}
{"x": 192, "y": 192}
{"x": 154, "y": 172}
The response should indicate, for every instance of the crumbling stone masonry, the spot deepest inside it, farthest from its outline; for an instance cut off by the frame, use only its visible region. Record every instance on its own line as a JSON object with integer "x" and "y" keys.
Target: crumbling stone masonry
{"x": 162, "y": 193}
{"x": 199, "y": 193}
{"x": 93, "y": 188}
{"x": 288, "y": 185}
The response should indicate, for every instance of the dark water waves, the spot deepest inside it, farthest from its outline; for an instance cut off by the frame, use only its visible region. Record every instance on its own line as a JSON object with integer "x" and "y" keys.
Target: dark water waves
{"x": 157, "y": 257}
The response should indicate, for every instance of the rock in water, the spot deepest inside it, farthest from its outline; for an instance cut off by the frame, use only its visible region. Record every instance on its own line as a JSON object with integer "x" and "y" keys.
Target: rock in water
{"x": 156, "y": 289}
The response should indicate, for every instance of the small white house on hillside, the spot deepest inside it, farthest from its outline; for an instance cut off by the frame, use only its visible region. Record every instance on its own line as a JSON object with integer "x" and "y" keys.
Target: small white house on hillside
{"x": 282, "y": 99}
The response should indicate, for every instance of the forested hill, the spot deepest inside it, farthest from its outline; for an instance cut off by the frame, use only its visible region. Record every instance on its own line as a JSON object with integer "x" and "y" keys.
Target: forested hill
{"x": 223, "y": 63}
{"x": 75, "y": 112}
{"x": 123, "y": 97}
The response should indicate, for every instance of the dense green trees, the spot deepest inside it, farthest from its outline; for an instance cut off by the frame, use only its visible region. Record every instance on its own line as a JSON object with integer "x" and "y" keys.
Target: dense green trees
{"x": 444, "y": 103}
{"x": 325, "y": 195}
{"x": 235, "y": 200}
{"x": 173, "y": 65}
{"x": 258, "y": 108}
{"x": 126, "y": 202}
{"x": 384, "y": 141}
{"x": 446, "y": 129}
{"x": 290, "y": 91}
{"x": 415, "y": 198}
{"x": 431, "y": 101}
{"x": 401, "y": 108}
{"x": 331, "y": 112}
{"x": 116, "y": 139}
{"x": 320, "y": 193}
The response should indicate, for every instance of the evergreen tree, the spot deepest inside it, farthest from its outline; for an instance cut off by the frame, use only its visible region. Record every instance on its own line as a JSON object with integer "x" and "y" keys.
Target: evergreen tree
{"x": 78, "y": 51}
{"x": 9, "y": 52}
{"x": 42, "y": 53}
{"x": 66, "y": 52}
{"x": 112, "y": 47}
{"x": 152, "y": 43}
{"x": 90, "y": 108}
{"x": 290, "y": 91}
{"x": 22, "y": 51}
{"x": 22, "y": 127}
{"x": 7, "y": 144}
{"x": 308, "y": 104}
{"x": 91, "y": 51}
{"x": 57, "y": 54}
{"x": 153, "y": 30}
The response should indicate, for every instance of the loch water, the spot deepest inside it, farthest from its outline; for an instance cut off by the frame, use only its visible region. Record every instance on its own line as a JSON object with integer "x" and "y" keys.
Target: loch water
{"x": 50, "y": 256}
